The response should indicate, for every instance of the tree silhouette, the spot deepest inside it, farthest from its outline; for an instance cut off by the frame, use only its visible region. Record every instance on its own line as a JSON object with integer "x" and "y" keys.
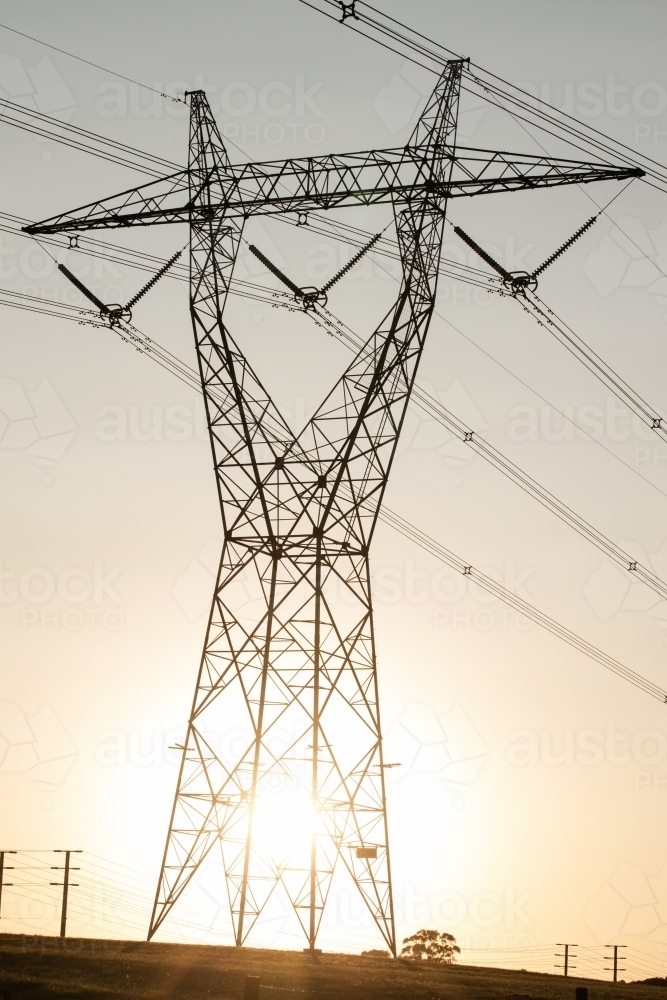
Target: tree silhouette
{"x": 431, "y": 946}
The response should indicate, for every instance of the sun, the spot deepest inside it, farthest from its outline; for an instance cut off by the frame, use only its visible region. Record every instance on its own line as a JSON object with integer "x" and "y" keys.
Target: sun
{"x": 285, "y": 823}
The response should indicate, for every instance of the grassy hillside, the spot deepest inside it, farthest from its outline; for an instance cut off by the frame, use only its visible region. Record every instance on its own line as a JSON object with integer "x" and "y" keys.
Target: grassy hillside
{"x": 38, "y": 968}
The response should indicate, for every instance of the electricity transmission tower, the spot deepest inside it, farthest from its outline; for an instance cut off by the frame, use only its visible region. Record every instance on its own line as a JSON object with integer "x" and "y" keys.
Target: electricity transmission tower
{"x": 295, "y": 676}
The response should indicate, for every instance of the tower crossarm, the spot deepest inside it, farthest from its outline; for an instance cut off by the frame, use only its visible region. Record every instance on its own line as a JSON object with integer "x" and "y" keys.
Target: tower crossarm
{"x": 332, "y": 181}
{"x": 156, "y": 203}
{"x": 481, "y": 171}
{"x": 398, "y": 175}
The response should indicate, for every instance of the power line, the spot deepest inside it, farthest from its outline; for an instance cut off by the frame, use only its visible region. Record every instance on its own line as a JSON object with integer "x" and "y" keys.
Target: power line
{"x": 548, "y": 402}
{"x": 486, "y": 583}
{"x": 570, "y": 420}
{"x": 182, "y": 371}
{"x": 121, "y": 913}
{"x": 523, "y": 607}
{"x": 523, "y": 288}
{"x": 432, "y": 407}
{"x": 564, "y": 333}
{"x": 433, "y": 56}
{"x": 88, "y": 62}
{"x": 170, "y": 165}
{"x": 80, "y": 138}
{"x": 462, "y": 432}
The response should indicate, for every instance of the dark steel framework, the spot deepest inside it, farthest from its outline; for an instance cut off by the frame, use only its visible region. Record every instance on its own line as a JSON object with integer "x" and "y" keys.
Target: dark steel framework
{"x": 294, "y": 673}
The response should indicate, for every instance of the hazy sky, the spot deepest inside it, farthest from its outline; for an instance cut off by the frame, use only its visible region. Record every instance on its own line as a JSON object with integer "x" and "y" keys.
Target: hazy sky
{"x": 531, "y": 802}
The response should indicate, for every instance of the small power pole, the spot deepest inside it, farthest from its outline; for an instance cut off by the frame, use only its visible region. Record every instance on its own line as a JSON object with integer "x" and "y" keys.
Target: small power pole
{"x": 66, "y": 885}
{"x": 566, "y": 956}
{"x": 2, "y": 873}
{"x": 615, "y": 969}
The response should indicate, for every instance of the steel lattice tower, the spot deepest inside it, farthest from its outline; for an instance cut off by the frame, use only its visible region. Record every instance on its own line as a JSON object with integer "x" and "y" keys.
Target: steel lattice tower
{"x": 299, "y": 514}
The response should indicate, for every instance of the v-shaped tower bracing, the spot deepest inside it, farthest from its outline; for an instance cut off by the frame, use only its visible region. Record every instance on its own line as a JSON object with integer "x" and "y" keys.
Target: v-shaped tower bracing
{"x": 297, "y": 677}
{"x": 290, "y": 679}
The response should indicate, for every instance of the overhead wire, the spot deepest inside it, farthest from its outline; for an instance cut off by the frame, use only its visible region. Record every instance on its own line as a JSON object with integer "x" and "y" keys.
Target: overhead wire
{"x": 425, "y": 401}
{"x": 564, "y": 333}
{"x": 161, "y": 356}
{"x": 570, "y": 420}
{"x": 169, "y": 164}
{"x": 584, "y": 189}
{"x": 169, "y": 362}
{"x": 547, "y": 318}
{"x": 46, "y": 307}
{"x": 497, "y": 590}
{"x": 415, "y": 46}
{"x": 659, "y": 176}
{"x": 565, "y": 416}
{"x": 436, "y": 410}
{"x": 158, "y": 354}
{"x": 88, "y": 905}
{"x": 79, "y": 139}
{"x": 89, "y": 62}
{"x": 100, "y": 249}
{"x": 648, "y": 415}
{"x": 87, "y": 908}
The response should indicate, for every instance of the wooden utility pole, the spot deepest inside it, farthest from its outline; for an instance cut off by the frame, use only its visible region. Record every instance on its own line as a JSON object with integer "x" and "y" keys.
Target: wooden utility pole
{"x": 615, "y": 969}
{"x": 566, "y": 966}
{"x": 66, "y": 885}
{"x": 2, "y": 873}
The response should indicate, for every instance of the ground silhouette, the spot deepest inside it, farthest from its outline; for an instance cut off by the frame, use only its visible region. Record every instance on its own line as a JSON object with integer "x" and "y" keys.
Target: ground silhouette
{"x": 41, "y": 968}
